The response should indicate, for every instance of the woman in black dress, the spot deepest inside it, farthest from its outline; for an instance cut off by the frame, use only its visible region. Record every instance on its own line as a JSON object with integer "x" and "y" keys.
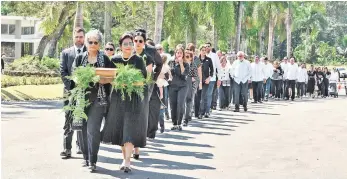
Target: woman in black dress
{"x": 326, "y": 81}
{"x": 125, "y": 126}
{"x": 98, "y": 97}
{"x": 320, "y": 81}
{"x": 311, "y": 80}
{"x": 178, "y": 88}
{"x": 139, "y": 46}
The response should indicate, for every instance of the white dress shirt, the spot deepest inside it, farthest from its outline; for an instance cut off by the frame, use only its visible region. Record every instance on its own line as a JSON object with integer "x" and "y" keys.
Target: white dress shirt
{"x": 334, "y": 77}
{"x": 292, "y": 72}
{"x": 81, "y": 50}
{"x": 216, "y": 65}
{"x": 258, "y": 71}
{"x": 224, "y": 75}
{"x": 241, "y": 71}
{"x": 269, "y": 70}
{"x": 284, "y": 67}
{"x": 302, "y": 75}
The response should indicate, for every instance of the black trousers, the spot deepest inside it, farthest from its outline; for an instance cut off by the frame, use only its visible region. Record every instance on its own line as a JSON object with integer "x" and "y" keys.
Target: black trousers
{"x": 301, "y": 86}
{"x": 285, "y": 89}
{"x": 197, "y": 101}
{"x": 290, "y": 84}
{"x": 240, "y": 94}
{"x": 177, "y": 103}
{"x": 326, "y": 87}
{"x": 68, "y": 132}
{"x": 214, "y": 95}
{"x": 154, "y": 111}
{"x": 224, "y": 96}
{"x": 203, "y": 103}
{"x": 91, "y": 131}
{"x": 257, "y": 90}
{"x": 189, "y": 100}
{"x": 277, "y": 88}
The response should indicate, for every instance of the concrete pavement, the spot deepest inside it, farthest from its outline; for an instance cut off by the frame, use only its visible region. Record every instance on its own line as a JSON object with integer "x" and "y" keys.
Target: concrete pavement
{"x": 277, "y": 139}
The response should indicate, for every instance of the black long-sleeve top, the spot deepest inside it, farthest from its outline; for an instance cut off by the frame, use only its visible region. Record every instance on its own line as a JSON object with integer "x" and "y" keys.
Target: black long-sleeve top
{"x": 150, "y": 50}
{"x": 206, "y": 68}
{"x": 93, "y": 90}
{"x": 179, "y": 79}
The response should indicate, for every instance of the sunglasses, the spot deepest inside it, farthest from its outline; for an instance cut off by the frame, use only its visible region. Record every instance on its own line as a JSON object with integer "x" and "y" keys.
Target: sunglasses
{"x": 127, "y": 44}
{"x": 91, "y": 43}
{"x": 138, "y": 41}
{"x": 109, "y": 49}
{"x": 157, "y": 48}
{"x": 187, "y": 56}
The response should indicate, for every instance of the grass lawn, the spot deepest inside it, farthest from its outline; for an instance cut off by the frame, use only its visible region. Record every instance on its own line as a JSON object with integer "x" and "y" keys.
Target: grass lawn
{"x": 32, "y": 92}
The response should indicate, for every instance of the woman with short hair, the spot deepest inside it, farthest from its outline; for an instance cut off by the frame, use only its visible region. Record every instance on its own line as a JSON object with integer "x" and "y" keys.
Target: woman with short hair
{"x": 109, "y": 49}
{"x": 125, "y": 125}
{"x": 98, "y": 97}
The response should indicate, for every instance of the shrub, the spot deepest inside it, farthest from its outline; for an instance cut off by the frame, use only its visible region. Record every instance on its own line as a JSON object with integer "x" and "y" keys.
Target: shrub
{"x": 7, "y": 81}
{"x": 32, "y": 64}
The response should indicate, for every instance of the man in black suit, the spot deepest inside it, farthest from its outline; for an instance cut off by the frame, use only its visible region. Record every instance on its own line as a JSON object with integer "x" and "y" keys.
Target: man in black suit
{"x": 154, "y": 102}
{"x": 67, "y": 58}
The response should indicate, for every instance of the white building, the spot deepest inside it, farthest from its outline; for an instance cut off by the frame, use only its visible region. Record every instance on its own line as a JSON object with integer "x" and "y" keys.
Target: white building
{"x": 20, "y": 36}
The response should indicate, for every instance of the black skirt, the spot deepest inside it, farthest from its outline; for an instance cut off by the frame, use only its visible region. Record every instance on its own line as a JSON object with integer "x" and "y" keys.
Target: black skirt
{"x": 125, "y": 122}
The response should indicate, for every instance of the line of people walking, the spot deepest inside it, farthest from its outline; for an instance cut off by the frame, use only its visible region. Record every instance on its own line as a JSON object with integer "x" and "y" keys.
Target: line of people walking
{"x": 186, "y": 86}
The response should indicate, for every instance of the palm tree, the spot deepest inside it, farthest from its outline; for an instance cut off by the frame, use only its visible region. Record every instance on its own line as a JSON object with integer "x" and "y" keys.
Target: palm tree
{"x": 159, "y": 16}
{"x": 239, "y": 21}
{"x": 108, "y": 21}
{"x": 288, "y": 23}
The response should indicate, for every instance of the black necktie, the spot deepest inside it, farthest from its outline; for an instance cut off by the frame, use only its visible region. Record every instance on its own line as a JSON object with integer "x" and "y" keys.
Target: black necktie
{"x": 78, "y": 51}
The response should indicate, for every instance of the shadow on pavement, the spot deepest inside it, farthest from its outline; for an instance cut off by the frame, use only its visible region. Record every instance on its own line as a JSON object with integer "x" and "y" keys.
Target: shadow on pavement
{"x": 200, "y": 155}
{"x": 139, "y": 174}
{"x": 33, "y": 104}
{"x": 187, "y": 144}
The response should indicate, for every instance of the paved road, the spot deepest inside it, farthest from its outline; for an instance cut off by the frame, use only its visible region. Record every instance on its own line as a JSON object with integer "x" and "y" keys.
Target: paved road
{"x": 300, "y": 139}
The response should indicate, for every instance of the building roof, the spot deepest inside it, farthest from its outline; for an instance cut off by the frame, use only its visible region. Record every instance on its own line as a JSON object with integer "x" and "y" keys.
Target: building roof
{"x": 18, "y": 18}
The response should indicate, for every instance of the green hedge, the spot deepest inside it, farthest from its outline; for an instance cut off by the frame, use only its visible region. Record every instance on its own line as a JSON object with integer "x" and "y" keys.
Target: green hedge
{"x": 31, "y": 64}
{"x": 7, "y": 81}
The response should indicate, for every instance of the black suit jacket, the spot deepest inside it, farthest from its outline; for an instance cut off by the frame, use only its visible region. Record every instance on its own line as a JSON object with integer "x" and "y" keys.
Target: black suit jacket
{"x": 67, "y": 58}
{"x": 150, "y": 50}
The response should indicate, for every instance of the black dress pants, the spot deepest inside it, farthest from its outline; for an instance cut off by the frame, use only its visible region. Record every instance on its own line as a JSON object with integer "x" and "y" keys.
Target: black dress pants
{"x": 257, "y": 90}
{"x": 177, "y": 103}
{"x": 68, "y": 132}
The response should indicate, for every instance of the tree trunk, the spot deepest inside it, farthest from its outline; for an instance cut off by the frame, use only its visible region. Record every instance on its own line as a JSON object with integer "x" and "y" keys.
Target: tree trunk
{"x": 289, "y": 31}
{"x": 108, "y": 22}
{"x": 261, "y": 41}
{"x": 271, "y": 34}
{"x": 238, "y": 30}
{"x": 159, "y": 16}
{"x": 42, "y": 46}
{"x": 79, "y": 16}
{"x": 215, "y": 37}
{"x": 55, "y": 37}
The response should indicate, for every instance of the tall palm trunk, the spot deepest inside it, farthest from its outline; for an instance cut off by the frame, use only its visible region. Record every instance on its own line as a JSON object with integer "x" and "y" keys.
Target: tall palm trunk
{"x": 260, "y": 48}
{"x": 289, "y": 31}
{"x": 79, "y": 16}
{"x": 239, "y": 21}
{"x": 271, "y": 35}
{"x": 159, "y": 16}
{"x": 108, "y": 22}
{"x": 215, "y": 37}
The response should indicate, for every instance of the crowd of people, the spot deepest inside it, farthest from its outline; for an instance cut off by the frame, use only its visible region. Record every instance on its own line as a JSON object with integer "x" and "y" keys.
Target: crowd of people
{"x": 187, "y": 85}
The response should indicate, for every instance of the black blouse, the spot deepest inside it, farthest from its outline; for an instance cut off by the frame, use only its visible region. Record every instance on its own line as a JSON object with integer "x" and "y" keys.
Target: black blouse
{"x": 134, "y": 60}
{"x": 178, "y": 79}
{"x": 94, "y": 87}
{"x": 207, "y": 68}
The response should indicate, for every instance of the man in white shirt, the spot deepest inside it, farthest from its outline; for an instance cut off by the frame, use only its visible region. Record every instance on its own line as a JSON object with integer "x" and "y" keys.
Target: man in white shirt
{"x": 333, "y": 79}
{"x": 302, "y": 79}
{"x": 258, "y": 78}
{"x": 268, "y": 71}
{"x": 292, "y": 76}
{"x": 212, "y": 89}
{"x": 241, "y": 72}
{"x": 284, "y": 66}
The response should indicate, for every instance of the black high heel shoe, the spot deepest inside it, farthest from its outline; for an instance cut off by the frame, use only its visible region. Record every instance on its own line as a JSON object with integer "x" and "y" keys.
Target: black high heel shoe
{"x": 127, "y": 170}
{"x": 136, "y": 156}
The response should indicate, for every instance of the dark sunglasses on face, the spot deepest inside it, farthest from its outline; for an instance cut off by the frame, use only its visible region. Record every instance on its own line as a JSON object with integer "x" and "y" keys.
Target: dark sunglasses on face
{"x": 187, "y": 56}
{"x": 138, "y": 41}
{"x": 109, "y": 49}
{"x": 91, "y": 43}
{"x": 127, "y": 44}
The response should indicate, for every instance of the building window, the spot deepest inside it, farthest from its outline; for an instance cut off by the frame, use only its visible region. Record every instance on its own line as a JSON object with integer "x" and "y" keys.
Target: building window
{"x": 12, "y": 29}
{"x": 28, "y": 30}
{"x": 27, "y": 49}
{"x": 4, "y": 28}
